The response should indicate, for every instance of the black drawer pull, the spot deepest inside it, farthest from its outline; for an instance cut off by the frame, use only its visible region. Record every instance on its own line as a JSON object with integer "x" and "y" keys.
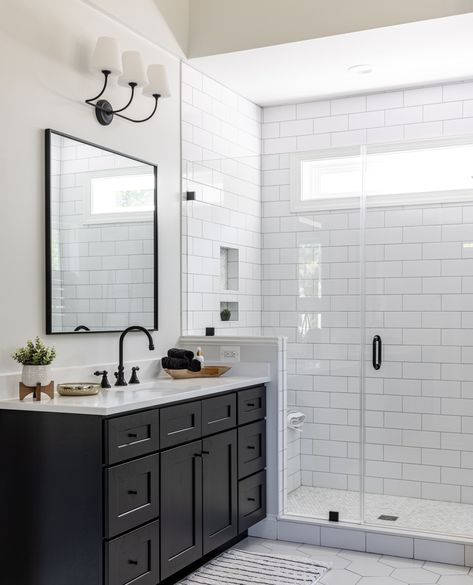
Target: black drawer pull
{"x": 251, "y": 499}
{"x": 252, "y": 404}
{"x": 132, "y": 435}
{"x": 251, "y": 447}
{"x": 133, "y": 492}
{"x": 132, "y": 562}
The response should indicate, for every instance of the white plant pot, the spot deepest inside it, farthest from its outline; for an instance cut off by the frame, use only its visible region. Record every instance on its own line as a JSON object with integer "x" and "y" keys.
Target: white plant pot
{"x": 32, "y": 375}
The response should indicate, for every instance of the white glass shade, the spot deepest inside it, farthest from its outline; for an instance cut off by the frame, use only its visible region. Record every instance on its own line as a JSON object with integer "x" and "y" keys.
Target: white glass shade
{"x": 158, "y": 82}
{"x": 106, "y": 56}
{"x": 133, "y": 70}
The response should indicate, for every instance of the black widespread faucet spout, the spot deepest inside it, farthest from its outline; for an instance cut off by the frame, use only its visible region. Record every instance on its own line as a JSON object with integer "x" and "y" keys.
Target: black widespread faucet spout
{"x": 120, "y": 375}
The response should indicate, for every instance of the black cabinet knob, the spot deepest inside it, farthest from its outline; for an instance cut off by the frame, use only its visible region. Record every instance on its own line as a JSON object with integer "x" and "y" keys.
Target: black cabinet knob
{"x": 132, "y": 562}
{"x": 251, "y": 447}
{"x": 252, "y": 499}
{"x": 132, "y": 435}
{"x": 133, "y": 492}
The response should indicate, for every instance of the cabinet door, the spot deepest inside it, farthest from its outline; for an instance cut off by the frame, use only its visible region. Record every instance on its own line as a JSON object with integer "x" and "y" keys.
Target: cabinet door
{"x": 251, "y": 404}
{"x": 181, "y": 507}
{"x": 133, "y": 494}
{"x": 251, "y": 448}
{"x": 220, "y": 489}
{"x": 133, "y": 557}
{"x": 252, "y": 500}
{"x": 218, "y": 414}
{"x": 180, "y": 423}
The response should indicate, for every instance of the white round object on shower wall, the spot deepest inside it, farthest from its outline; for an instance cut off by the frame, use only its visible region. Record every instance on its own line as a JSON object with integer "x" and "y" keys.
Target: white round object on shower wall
{"x": 296, "y": 420}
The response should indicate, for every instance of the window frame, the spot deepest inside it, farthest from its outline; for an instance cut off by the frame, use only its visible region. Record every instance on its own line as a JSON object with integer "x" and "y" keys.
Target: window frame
{"x": 298, "y": 205}
{"x": 90, "y": 218}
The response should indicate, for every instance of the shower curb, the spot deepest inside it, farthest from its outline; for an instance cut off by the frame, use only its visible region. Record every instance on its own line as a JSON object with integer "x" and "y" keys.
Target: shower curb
{"x": 420, "y": 546}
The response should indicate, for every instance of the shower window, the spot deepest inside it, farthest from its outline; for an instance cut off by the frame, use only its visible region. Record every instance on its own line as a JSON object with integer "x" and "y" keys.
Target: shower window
{"x": 398, "y": 174}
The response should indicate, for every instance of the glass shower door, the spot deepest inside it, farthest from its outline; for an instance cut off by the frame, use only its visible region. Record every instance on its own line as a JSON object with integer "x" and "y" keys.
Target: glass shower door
{"x": 321, "y": 317}
{"x": 418, "y": 379}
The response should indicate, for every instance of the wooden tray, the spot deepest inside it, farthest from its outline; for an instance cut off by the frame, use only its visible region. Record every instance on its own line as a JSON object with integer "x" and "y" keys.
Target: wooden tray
{"x": 205, "y": 372}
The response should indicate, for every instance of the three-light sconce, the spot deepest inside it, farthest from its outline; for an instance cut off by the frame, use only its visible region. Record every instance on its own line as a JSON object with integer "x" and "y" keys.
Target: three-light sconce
{"x": 131, "y": 71}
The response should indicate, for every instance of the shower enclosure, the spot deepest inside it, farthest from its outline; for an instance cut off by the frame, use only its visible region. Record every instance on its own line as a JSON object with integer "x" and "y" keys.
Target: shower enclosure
{"x": 378, "y": 286}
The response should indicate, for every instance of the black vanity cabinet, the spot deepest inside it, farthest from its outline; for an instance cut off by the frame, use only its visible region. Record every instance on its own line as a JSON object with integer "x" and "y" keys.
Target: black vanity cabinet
{"x": 181, "y": 507}
{"x": 136, "y": 498}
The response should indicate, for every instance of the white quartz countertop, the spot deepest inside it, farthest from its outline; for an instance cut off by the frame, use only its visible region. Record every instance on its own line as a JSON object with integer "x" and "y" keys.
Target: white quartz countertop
{"x": 158, "y": 392}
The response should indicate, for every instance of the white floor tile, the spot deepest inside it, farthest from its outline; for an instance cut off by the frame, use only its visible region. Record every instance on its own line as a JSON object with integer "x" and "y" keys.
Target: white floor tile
{"x": 357, "y": 568}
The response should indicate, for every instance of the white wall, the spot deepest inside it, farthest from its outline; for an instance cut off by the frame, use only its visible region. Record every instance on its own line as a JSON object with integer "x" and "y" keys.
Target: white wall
{"x": 45, "y": 48}
{"x": 223, "y": 26}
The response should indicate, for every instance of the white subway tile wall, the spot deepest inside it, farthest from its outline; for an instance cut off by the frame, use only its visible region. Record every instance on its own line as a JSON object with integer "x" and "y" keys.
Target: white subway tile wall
{"x": 419, "y": 298}
{"x": 221, "y": 152}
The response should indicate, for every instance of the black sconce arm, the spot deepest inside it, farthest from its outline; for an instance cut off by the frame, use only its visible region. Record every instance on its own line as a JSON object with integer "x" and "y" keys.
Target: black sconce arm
{"x": 104, "y": 111}
{"x": 89, "y": 101}
{"x": 156, "y": 98}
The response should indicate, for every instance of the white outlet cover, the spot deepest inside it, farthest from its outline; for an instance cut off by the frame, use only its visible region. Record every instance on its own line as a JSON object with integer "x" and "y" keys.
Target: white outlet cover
{"x": 230, "y": 353}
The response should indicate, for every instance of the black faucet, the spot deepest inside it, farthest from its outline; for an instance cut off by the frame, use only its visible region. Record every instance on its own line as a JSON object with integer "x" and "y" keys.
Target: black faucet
{"x": 120, "y": 375}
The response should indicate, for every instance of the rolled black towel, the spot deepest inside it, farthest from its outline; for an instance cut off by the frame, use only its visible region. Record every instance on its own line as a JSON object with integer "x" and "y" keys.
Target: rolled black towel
{"x": 181, "y": 353}
{"x": 195, "y": 366}
{"x": 171, "y": 363}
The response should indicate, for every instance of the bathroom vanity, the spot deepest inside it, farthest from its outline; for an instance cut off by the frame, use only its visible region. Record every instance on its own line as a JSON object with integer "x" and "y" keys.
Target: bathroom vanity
{"x": 108, "y": 490}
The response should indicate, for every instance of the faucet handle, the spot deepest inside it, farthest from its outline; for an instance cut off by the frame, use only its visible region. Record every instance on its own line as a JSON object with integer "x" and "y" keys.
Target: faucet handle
{"x": 134, "y": 377}
{"x": 104, "y": 383}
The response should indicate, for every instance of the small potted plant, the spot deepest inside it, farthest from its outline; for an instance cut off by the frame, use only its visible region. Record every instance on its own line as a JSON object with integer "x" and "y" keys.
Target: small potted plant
{"x": 36, "y": 359}
{"x": 225, "y": 314}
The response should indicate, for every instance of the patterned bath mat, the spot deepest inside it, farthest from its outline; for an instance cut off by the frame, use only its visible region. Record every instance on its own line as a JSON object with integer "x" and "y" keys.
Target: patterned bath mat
{"x": 238, "y": 567}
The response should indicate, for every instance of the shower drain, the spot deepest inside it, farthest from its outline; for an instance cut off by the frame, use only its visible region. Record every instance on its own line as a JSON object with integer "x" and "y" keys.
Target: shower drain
{"x": 387, "y": 517}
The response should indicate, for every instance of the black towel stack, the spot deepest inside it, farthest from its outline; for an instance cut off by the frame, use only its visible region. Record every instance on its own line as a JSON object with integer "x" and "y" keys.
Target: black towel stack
{"x": 181, "y": 359}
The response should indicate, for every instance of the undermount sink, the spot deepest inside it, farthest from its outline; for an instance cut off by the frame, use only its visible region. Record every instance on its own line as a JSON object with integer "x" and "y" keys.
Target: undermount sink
{"x": 155, "y": 386}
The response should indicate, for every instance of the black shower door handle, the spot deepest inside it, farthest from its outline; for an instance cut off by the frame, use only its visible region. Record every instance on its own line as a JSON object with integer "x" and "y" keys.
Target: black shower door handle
{"x": 377, "y": 352}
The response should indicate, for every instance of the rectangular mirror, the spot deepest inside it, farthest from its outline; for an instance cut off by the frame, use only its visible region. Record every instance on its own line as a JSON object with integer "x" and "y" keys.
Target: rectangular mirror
{"x": 101, "y": 238}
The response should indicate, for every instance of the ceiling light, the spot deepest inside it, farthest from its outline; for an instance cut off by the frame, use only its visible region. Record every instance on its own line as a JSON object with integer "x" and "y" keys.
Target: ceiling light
{"x": 362, "y": 69}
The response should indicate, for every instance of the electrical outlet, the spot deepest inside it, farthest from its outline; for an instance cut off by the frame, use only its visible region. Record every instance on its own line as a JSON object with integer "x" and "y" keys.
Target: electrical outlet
{"x": 230, "y": 353}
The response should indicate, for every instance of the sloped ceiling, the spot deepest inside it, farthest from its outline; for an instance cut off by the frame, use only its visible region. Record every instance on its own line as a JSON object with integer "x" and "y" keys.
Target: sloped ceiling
{"x": 223, "y": 26}
{"x": 163, "y": 22}
{"x": 176, "y": 13}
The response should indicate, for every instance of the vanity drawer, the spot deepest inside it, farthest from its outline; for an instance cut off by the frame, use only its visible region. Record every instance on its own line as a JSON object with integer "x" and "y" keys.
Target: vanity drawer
{"x": 180, "y": 424}
{"x": 134, "y": 557}
{"x": 251, "y": 500}
{"x": 133, "y": 494}
{"x": 251, "y": 405}
{"x": 251, "y": 448}
{"x": 132, "y": 436}
{"x": 218, "y": 414}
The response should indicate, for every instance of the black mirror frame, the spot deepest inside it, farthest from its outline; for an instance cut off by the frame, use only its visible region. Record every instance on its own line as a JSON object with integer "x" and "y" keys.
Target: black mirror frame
{"x": 48, "y": 264}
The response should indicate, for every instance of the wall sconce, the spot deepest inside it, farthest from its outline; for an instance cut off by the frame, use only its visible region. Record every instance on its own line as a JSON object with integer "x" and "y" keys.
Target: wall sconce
{"x": 106, "y": 60}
